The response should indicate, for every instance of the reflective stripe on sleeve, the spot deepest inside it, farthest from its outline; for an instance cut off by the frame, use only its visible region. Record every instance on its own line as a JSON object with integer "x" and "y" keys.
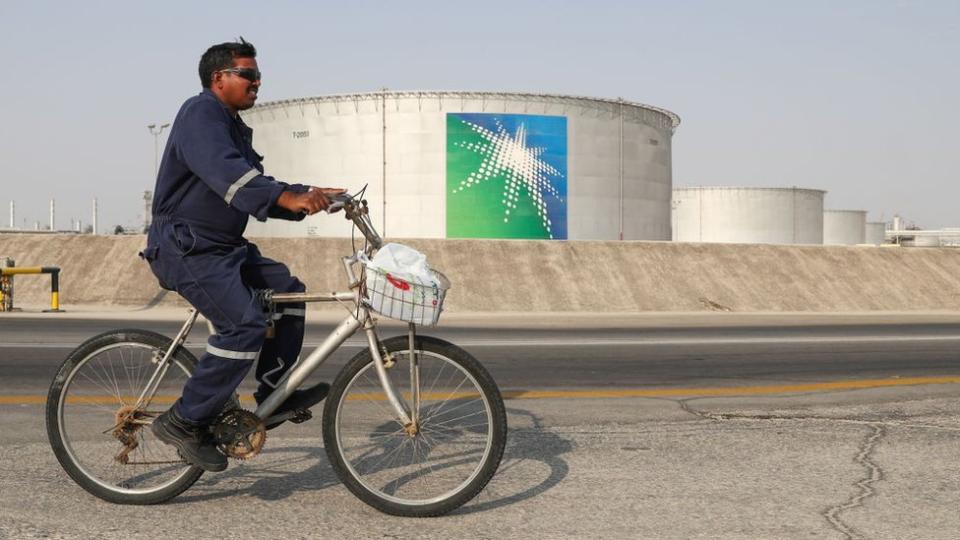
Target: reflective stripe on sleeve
{"x": 233, "y": 355}
{"x": 242, "y": 181}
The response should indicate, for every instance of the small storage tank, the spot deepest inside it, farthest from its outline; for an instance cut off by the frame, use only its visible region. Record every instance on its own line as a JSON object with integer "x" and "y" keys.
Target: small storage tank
{"x": 876, "y": 233}
{"x": 844, "y": 227}
{"x": 748, "y": 215}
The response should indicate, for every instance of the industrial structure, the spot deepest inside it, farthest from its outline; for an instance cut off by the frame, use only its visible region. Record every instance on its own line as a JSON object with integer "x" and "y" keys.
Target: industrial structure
{"x": 876, "y": 232}
{"x": 915, "y": 237}
{"x": 76, "y": 224}
{"x": 844, "y": 227}
{"x": 517, "y": 165}
{"x": 476, "y": 164}
{"x": 748, "y": 215}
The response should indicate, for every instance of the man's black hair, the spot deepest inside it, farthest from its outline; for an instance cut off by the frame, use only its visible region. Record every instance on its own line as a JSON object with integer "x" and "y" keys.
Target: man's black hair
{"x": 221, "y": 57}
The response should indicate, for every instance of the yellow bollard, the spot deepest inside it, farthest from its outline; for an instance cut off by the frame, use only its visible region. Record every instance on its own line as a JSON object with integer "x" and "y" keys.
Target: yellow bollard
{"x": 8, "y": 273}
{"x": 6, "y": 299}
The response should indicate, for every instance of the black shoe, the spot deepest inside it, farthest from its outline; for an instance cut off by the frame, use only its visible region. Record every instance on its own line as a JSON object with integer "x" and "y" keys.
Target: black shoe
{"x": 300, "y": 401}
{"x": 193, "y": 442}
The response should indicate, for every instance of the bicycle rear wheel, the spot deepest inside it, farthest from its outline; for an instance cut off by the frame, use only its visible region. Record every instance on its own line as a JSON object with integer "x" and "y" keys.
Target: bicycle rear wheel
{"x": 441, "y": 465}
{"x": 100, "y": 440}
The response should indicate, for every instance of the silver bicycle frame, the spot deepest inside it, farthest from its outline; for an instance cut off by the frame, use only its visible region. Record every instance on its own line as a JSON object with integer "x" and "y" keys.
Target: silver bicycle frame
{"x": 143, "y": 401}
{"x": 359, "y": 318}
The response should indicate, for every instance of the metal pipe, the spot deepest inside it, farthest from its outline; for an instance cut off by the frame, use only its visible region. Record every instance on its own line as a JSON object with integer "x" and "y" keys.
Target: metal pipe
{"x": 55, "y": 290}
{"x": 414, "y": 374}
{"x": 300, "y": 371}
{"x": 348, "y": 263}
{"x": 385, "y": 382}
{"x": 156, "y": 131}
{"x": 288, "y": 298}
{"x": 54, "y": 282}
{"x": 22, "y": 270}
{"x": 144, "y": 400}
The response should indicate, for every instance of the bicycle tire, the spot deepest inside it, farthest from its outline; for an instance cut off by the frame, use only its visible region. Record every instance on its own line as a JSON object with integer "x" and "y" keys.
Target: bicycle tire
{"x": 430, "y": 350}
{"x": 59, "y": 396}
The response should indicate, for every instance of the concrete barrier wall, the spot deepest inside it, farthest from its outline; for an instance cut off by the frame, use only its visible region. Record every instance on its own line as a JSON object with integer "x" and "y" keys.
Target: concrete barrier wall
{"x": 507, "y": 275}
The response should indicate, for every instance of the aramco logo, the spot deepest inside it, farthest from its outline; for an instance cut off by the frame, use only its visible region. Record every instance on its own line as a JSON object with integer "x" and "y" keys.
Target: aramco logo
{"x": 506, "y": 176}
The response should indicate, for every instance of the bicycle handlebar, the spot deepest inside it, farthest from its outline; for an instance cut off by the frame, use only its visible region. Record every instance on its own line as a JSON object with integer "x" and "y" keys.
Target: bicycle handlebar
{"x": 356, "y": 210}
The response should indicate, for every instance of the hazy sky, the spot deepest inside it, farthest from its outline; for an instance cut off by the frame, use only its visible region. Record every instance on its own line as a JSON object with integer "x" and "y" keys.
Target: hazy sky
{"x": 856, "y": 97}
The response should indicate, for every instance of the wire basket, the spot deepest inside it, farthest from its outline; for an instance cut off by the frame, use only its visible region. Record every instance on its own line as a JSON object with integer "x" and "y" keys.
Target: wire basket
{"x": 404, "y": 299}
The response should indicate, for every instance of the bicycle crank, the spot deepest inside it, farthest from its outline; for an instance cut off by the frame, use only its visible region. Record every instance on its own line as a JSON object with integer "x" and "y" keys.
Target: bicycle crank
{"x": 239, "y": 434}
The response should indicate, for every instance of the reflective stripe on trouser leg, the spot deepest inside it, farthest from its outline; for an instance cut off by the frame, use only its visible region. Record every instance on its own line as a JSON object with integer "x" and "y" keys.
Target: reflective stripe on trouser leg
{"x": 211, "y": 386}
{"x": 229, "y": 356}
{"x": 219, "y": 372}
{"x": 213, "y": 284}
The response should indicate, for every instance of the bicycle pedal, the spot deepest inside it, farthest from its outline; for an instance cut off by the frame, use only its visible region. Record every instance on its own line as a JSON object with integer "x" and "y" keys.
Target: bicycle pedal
{"x": 301, "y": 415}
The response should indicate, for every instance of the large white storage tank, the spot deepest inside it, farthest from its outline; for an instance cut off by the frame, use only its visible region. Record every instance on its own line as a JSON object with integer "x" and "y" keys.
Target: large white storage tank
{"x": 476, "y": 165}
{"x": 876, "y": 233}
{"x": 844, "y": 227}
{"x": 748, "y": 215}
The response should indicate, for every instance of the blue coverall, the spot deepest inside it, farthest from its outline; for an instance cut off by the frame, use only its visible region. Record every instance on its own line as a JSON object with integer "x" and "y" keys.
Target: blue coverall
{"x": 210, "y": 180}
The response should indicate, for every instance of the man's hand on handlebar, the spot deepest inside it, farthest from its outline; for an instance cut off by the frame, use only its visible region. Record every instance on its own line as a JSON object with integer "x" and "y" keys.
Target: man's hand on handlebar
{"x": 311, "y": 202}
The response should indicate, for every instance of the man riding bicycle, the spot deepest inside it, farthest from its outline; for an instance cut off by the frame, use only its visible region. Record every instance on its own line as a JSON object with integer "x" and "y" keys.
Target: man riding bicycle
{"x": 210, "y": 181}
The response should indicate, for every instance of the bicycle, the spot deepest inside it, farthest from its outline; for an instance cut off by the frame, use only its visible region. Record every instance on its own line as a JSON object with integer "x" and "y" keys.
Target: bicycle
{"x": 413, "y": 425}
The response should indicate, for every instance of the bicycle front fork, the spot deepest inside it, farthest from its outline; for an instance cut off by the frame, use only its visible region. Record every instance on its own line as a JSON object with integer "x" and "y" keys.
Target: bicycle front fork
{"x": 407, "y": 417}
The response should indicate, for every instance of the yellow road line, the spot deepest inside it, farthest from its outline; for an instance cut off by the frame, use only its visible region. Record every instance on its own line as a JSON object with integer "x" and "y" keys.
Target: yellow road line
{"x": 733, "y": 390}
{"x": 22, "y": 400}
{"x": 90, "y": 400}
{"x": 581, "y": 394}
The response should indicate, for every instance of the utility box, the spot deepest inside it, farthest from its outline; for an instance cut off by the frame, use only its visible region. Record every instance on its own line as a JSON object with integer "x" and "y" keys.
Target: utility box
{"x": 6, "y": 285}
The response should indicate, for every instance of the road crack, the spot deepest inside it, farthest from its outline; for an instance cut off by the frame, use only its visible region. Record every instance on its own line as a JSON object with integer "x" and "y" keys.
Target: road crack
{"x": 698, "y": 413}
{"x": 874, "y": 475}
{"x": 865, "y": 451}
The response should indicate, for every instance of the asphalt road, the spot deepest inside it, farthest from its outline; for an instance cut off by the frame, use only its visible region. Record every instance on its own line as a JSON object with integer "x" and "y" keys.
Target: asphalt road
{"x": 31, "y": 350}
{"x": 687, "y": 431}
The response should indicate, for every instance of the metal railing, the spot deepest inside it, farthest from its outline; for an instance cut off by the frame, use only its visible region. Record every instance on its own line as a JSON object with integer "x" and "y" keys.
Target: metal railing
{"x": 932, "y": 238}
{"x": 6, "y": 285}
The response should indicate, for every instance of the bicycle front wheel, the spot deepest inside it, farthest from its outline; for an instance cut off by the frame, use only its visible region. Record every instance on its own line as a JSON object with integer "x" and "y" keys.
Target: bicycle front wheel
{"x": 100, "y": 439}
{"x": 443, "y": 462}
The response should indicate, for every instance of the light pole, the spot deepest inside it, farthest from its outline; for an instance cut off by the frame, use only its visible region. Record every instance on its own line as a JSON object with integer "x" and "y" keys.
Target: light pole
{"x": 147, "y": 196}
{"x": 156, "y": 131}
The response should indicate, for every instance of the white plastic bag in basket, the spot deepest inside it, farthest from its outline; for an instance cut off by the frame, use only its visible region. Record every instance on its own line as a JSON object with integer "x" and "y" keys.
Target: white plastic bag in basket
{"x": 401, "y": 285}
{"x": 404, "y": 262}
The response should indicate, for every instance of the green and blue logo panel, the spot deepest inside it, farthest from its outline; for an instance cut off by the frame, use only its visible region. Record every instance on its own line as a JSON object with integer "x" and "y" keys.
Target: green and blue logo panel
{"x": 506, "y": 176}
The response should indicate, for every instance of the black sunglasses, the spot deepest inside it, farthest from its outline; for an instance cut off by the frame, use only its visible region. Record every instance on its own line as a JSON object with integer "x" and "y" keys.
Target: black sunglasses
{"x": 250, "y": 74}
